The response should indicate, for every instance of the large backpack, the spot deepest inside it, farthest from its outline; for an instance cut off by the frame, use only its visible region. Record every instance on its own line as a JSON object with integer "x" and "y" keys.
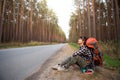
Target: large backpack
{"x": 92, "y": 44}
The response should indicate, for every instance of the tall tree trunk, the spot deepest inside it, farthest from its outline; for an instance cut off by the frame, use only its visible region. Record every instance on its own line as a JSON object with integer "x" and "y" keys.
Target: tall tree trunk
{"x": 99, "y": 25}
{"x": 94, "y": 18}
{"x": 17, "y": 22}
{"x": 79, "y": 20}
{"x": 117, "y": 19}
{"x": 108, "y": 19}
{"x": 114, "y": 22}
{"x": 89, "y": 22}
{"x": 21, "y": 20}
{"x": 2, "y": 19}
{"x": 14, "y": 22}
{"x": 30, "y": 20}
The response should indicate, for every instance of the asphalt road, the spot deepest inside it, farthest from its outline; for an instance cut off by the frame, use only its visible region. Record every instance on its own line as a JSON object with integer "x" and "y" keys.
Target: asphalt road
{"x": 18, "y": 63}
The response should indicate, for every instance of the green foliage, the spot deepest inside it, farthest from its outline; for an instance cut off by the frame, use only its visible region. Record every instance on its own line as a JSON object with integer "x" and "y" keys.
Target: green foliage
{"x": 74, "y": 45}
{"x": 111, "y": 62}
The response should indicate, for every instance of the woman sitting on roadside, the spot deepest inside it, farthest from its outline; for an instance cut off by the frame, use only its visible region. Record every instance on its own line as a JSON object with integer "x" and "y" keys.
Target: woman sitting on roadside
{"x": 82, "y": 57}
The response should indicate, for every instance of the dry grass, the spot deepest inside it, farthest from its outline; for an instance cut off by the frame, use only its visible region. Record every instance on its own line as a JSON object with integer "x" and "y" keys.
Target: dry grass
{"x": 19, "y": 44}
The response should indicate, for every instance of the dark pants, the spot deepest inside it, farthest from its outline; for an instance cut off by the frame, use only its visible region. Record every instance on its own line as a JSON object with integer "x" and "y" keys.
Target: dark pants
{"x": 74, "y": 60}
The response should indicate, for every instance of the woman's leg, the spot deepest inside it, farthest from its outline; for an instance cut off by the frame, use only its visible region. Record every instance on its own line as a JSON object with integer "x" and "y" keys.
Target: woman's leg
{"x": 81, "y": 62}
{"x": 73, "y": 60}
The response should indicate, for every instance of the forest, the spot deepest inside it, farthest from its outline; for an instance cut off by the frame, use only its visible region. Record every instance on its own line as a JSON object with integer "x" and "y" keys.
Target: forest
{"x": 28, "y": 20}
{"x": 95, "y": 18}
{"x": 32, "y": 20}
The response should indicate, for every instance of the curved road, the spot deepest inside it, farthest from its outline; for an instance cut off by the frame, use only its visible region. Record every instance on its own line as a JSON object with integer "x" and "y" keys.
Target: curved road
{"x": 18, "y": 63}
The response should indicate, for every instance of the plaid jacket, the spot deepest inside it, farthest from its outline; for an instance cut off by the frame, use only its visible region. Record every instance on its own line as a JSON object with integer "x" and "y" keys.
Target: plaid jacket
{"x": 84, "y": 52}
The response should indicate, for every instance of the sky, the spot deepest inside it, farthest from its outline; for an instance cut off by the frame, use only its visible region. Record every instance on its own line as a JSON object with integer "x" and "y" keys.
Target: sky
{"x": 63, "y": 9}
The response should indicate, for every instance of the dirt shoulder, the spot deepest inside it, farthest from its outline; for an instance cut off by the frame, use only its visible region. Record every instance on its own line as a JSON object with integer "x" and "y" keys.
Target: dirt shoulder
{"x": 74, "y": 73}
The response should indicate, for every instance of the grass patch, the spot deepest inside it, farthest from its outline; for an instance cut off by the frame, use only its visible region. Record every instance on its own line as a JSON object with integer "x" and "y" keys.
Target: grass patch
{"x": 111, "y": 62}
{"x": 74, "y": 45}
{"x": 18, "y": 44}
{"x": 111, "y": 54}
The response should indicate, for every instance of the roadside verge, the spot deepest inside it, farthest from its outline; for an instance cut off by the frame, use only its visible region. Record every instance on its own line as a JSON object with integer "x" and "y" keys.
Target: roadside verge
{"x": 46, "y": 73}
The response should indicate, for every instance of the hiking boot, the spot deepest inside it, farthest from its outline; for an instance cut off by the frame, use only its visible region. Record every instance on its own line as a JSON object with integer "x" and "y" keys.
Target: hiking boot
{"x": 89, "y": 71}
{"x": 59, "y": 68}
